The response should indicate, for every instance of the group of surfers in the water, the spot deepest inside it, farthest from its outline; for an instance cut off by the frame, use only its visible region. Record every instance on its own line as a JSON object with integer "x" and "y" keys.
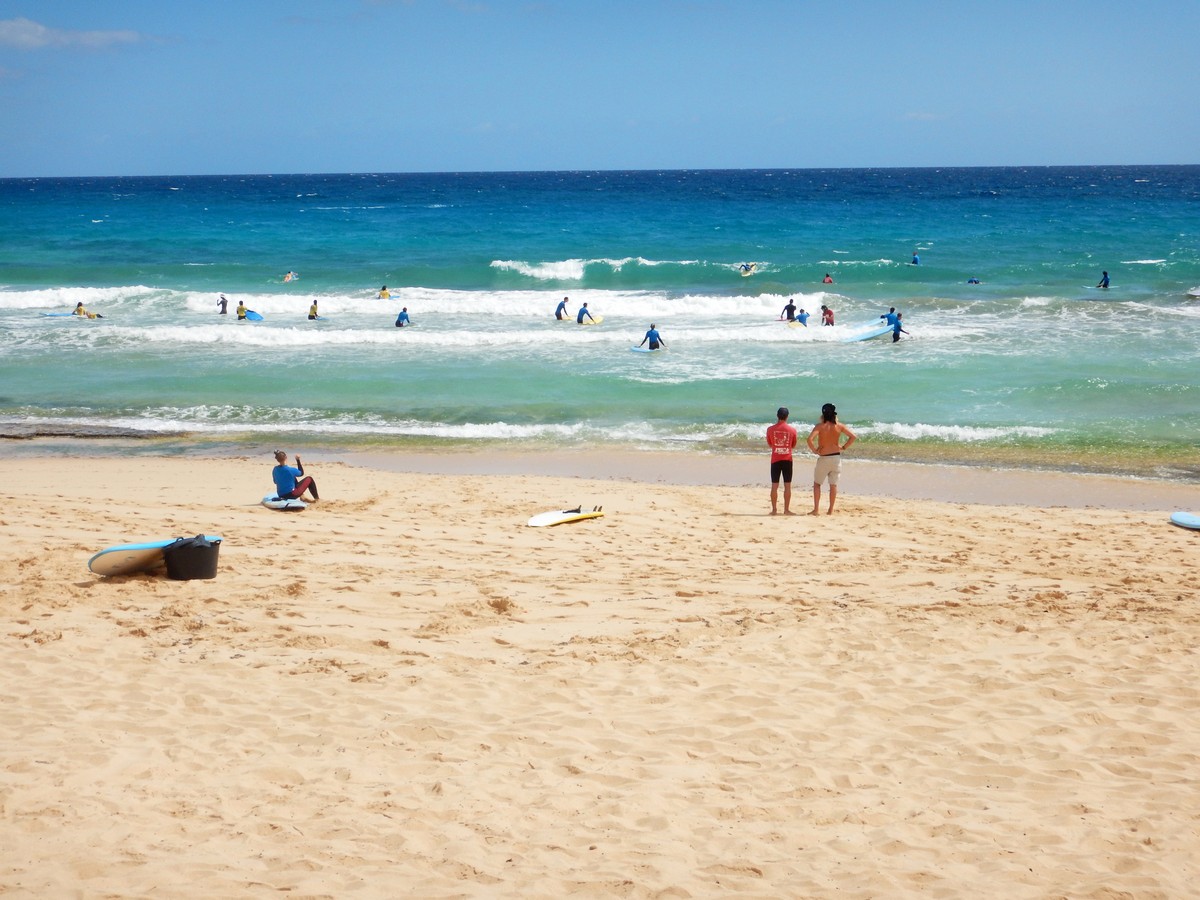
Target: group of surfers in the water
{"x": 791, "y": 314}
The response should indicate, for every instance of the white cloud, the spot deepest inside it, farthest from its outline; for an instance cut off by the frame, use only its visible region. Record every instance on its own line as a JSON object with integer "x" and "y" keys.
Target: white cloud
{"x": 28, "y": 35}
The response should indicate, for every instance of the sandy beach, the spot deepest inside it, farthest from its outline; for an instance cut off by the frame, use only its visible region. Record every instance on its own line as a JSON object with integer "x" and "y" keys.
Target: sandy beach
{"x": 406, "y": 691}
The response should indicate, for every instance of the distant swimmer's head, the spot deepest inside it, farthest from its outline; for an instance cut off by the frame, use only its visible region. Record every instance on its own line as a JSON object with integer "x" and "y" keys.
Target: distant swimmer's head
{"x": 829, "y": 413}
{"x": 782, "y": 413}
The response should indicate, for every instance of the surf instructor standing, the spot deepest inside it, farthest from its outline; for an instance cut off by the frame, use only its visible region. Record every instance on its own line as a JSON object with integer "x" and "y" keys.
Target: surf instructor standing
{"x": 782, "y": 439}
{"x": 287, "y": 487}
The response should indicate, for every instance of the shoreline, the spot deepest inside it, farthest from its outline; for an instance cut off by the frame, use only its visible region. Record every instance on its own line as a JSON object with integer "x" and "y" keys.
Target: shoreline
{"x": 982, "y": 485}
{"x": 991, "y": 485}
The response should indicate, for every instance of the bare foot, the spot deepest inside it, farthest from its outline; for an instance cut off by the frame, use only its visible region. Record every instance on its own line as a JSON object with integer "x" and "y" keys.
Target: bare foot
{"x": 788, "y": 512}
{"x": 814, "y": 513}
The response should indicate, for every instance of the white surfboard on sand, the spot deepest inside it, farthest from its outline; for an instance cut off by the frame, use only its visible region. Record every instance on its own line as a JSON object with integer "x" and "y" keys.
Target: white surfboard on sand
{"x": 562, "y": 516}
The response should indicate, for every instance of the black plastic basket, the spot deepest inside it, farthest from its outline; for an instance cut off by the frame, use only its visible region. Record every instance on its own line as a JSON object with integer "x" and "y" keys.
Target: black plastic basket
{"x": 191, "y": 558}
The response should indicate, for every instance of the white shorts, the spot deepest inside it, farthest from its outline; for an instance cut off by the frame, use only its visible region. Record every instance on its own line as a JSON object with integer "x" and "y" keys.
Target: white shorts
{"x": 828, "y": 467}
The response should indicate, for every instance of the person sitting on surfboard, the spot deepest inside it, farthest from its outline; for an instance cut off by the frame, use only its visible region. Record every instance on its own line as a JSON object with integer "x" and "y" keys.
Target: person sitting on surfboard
{"x": 287, "y": 487}
{"x": 654, "y": 338}
{"x": 402, "y": 319}
{"x": 312, "y": 312}
{"x": 1103, "y": 280}
{"x": 561, "y": 311}
{"x": 583, "y": 311}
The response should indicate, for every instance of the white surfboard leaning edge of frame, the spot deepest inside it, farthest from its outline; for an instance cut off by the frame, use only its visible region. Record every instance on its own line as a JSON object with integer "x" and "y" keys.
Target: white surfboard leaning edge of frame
{"x": 1186, "y": 520}
{"x": 562, "y": 516}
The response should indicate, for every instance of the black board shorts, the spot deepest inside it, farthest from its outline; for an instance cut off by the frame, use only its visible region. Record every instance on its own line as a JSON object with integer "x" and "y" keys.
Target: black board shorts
{"x": 781, "y": 468}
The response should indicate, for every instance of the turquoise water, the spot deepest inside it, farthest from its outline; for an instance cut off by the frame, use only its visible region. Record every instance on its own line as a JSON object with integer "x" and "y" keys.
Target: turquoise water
{"x": 1032, "y": 367}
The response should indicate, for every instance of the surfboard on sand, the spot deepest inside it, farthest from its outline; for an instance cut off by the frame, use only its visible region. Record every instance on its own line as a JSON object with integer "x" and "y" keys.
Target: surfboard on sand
{"x": 562, "y": 516}
{"x": 292, "y": 504}
{"x": 594, "y": 320}
{"x": 1186, "y": 520}
{"x": 129, "y": 559}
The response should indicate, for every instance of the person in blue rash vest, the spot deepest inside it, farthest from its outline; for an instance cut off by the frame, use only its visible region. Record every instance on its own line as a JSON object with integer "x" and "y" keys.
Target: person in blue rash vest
{"x": 287, "y": 487}
{"x": 654, "y": 338}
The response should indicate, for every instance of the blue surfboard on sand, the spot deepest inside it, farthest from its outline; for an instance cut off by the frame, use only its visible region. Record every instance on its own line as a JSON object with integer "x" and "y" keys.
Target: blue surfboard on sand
{"x": 1186, "y": 520}
{"x": 129, "y": 559}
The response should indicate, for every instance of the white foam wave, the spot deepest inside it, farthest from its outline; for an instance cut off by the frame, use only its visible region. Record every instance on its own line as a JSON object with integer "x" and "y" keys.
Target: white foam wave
{"x": 1143, "y": 262}
{"x": 574, "y": 269}
{"x": 63, "y": 299}
{"x": 954, "y": 433}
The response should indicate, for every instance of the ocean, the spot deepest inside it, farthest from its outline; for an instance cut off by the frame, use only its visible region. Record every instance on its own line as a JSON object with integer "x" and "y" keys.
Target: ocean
{"x": 1033, "y": 367}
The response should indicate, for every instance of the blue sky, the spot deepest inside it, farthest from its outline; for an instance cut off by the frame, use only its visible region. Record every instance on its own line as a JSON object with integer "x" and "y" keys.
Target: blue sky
{"x": 140, "y": 87}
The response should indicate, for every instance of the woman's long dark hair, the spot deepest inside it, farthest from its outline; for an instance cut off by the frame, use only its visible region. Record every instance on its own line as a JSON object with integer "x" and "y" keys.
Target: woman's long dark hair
{"x": 829, "y": 413}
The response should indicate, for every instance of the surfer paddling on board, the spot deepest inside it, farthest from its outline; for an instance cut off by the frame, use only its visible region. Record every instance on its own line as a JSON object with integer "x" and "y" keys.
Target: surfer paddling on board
{"x": 654, "y": 338}
{"x": 825, "y": 440}
{"x": 83, "y": 313}
{"x": 583, "y": 311}
{"x": 290, "y": 481}
{"x": 561, "y": 311}
{"x": 782, "y": 439}
{"x": 291, "y": 276}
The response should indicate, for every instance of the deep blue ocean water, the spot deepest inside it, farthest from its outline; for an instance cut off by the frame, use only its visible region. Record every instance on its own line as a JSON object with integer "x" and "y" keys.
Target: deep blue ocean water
{"x": 1034, "y": 366}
